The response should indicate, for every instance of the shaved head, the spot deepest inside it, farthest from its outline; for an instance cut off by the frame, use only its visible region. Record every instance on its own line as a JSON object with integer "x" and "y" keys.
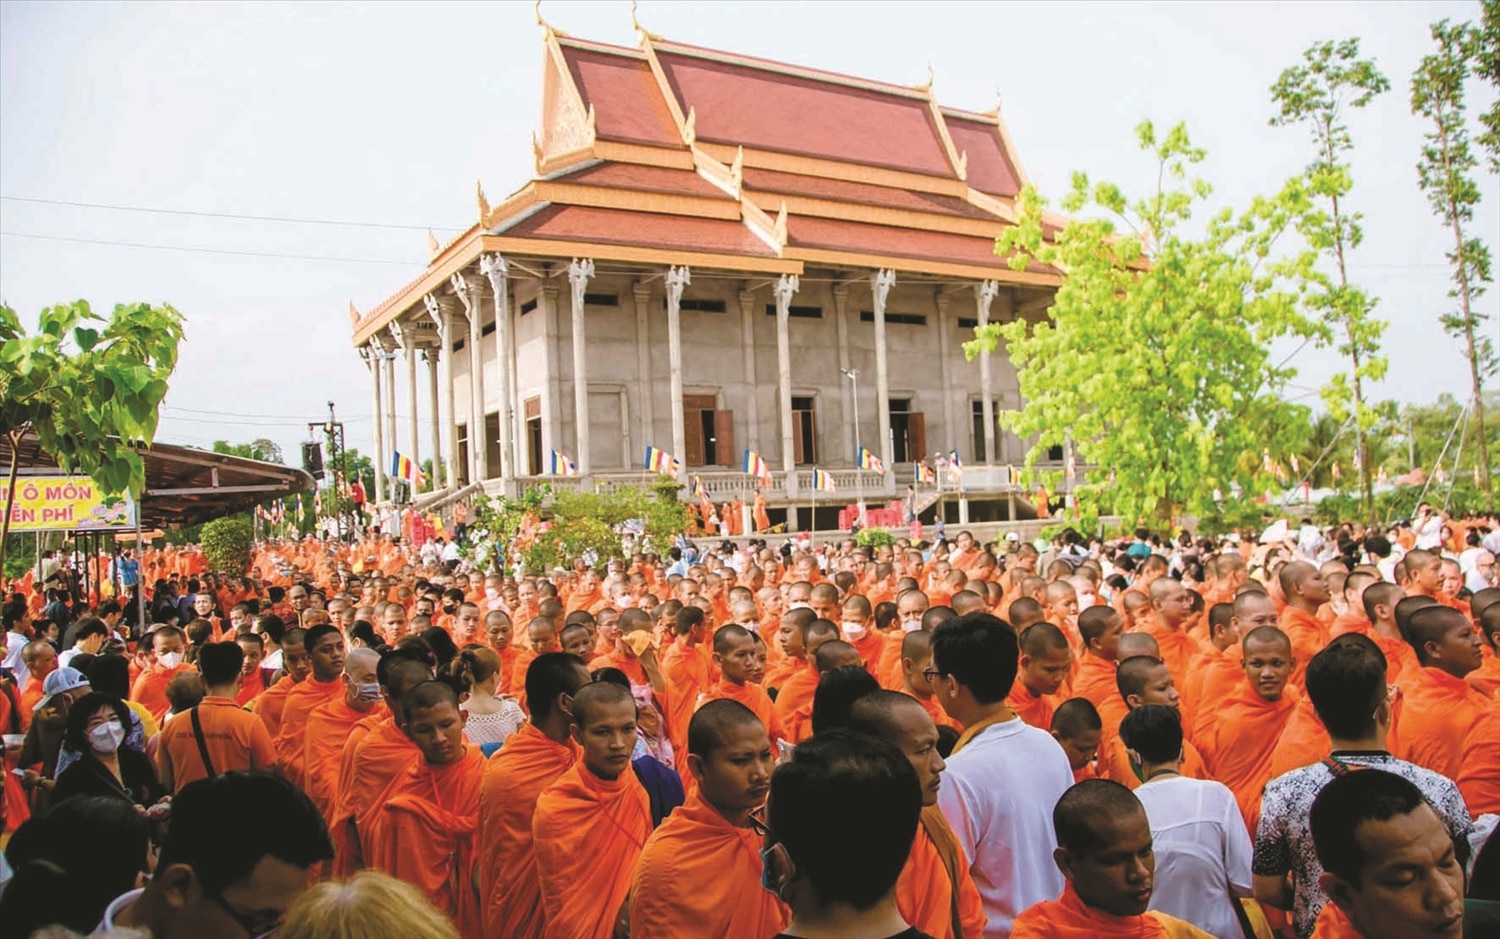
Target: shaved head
{"x": 1089, "y": 807}
{"x": 1042, "y": 638}
{"x": 1138, "y": 644}
{"x": 709, "y": 729}
{"x": 599, "y": 695}
{"x": 1025, "y": 612}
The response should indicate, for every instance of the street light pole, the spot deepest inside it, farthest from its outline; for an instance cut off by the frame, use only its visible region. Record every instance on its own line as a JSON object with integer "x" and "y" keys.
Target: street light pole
{"x": 859, "y": 477}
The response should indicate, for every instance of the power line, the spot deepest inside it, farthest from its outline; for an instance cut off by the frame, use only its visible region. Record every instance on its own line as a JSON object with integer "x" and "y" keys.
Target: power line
{"x": 342, "y": 223}
{"x": 202, "y": 250}
{"x": 288, "y": 417}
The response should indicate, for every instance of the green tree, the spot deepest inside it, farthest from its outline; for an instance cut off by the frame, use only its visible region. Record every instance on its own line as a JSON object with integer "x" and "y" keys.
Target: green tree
{"x": 267, "y": 451}
{"x": 1155, "y": 352}
{"x": 1445, "y": 171}
{"x": 1315, "y": 95}
{"x": 227, "y": 544}
{"x": 90, "y": 389}
{"x": 1487, "y": 66}
{"x": 545, "y": 528}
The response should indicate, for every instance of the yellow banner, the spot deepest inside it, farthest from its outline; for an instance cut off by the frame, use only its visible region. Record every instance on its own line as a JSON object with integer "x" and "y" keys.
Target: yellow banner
{"x": 65, "y": 503}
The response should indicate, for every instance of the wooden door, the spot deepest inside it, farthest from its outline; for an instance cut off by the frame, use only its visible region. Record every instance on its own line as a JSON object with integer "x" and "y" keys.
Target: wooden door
{"x": 693, "y": 407}
{"x": 724, "y": 451}
{"x": 916, "y": 436}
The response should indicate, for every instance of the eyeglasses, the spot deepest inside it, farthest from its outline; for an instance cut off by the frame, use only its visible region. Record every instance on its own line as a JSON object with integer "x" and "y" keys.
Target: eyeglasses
{"x": 931, "y": 674}
{"x": 759, "y": 826}
{"x": 257, "y": 925}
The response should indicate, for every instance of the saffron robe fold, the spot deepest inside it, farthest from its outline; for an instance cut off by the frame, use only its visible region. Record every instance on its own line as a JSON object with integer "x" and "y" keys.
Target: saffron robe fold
{"x": 1246, "y": 730}
{"x": 588, "y": 834}
{"x": 793, "y": 707}
{"x": 328, "y": 729}
{"x": 1034, "y": 709}
{"x": 1095, "y": 679}
{"x": 1304, "y": 740}
{"x": 927, "y": 895}
{"x": 510, "y": 895}
{"x": 1479, "y": 779}
{"x": 752, "y": 696}
{"x": 1210, "y": 660}
{"x": 686, "y": 673}
{"x": 1437, "y": 713}
{"x": 700, "y": 875}
{"x": 1177, "y": 648}
{"x": 1068, "y": 918}
{"x": 381, "y": 756}
{"x": 300, "y": 703}
{"x": 345, "y": 854}
{"x": 271, "y": 703}
{"x": 1308, "y": 636}
{"x": 423, "y": 833}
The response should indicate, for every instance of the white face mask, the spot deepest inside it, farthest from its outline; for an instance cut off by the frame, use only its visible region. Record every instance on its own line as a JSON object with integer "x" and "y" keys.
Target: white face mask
{"x": 855, "y": 631}
{"x": 911, "y": 625}
{"x": 107, "y": 737}
{"x": 169, "y": 659}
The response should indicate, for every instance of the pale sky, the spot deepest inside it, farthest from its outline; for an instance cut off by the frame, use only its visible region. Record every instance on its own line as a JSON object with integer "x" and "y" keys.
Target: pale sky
{"x": 385, "y": 114}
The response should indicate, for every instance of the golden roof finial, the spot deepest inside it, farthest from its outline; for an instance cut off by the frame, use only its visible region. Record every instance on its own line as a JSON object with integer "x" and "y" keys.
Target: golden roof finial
{"x": 995, "y": 111}
{"x": 484, "y": 204}
{"x": 537, "y": 9}
{"x": 433, "y": 245}
{"x": 636, "y": 24}
{"x": 926, "y": 87}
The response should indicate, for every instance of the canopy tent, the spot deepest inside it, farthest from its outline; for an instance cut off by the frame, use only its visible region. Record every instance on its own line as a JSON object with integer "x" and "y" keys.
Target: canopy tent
{"x": 185, "y": 485}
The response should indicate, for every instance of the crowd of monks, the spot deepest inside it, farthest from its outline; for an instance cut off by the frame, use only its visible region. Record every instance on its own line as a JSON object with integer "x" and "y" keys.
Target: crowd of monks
{"x": 715, "y": 674}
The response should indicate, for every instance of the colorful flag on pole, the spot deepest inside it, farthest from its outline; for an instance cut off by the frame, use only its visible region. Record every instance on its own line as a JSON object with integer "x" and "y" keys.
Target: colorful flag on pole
{"x": 1296, "y": 467}
{"x": 923, "y": 473}
{"x": 700, "y": 493}
{"x": 403, "y": 467}
{"x": 755, "y": 465}
{"x": 559, "y": 465}
{"x": 823, "y": 482}
{"x": 1337, "y": 473}
{"x": 660, "y": 461}
{"x": 955, "y": 467}
{"x": 869, "y": 461}
{"x": 1072, "y": 466}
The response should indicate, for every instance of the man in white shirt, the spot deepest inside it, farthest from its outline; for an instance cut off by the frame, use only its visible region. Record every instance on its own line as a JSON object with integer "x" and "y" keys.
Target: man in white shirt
{"x": 15, "y": 616}
{"x": 1428, "y": 526}
{"x": 1202, "y": 846}
{"x": 1003, "y": 777}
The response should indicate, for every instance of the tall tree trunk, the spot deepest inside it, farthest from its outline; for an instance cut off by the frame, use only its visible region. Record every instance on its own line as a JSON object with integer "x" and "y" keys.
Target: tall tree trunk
{"x": 14, "y": 437}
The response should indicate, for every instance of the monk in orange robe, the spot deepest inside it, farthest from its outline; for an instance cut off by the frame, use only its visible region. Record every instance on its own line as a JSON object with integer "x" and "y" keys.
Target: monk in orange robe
{"x": 1100, "y": 628}
{"x": 1224, "y": 674}
{"x": 592, "y": 823}
{"x": 793, "y": 705}
{"x": 1095, "y": 822}
{"x": 1440, "y": 707}
{"x": 542, "y": 637}
{"x": 1479, "y": 778}
{"x": 1248, "y": 724}
{"x": 700, "y": 872}
{"x": 41, "y": 659}
{"x": 1486, "y": 678}
{"x": 325, "y": 652}
{"x": 916, "y": 665}
{"x": 374, "y": 755}
{"x": 1305, "y": 591}
{"x": 1171, "y": 607}
{"x": 296, "y": 667}
{"x": 532, "y": 759}
{"x": 252, "y": 680}
{"x": 168, "y": 646}
{"x": 1142, "y": 680}
{"x": 859, "y": 632}
{"x": 1076, "y": 727}
{"x": 735, "y": 656}
{"x": 1046, "y": 662}
{"x": 686, "y": 671}
{"x": 424, "y": 828}
{"x": 1354, "y": 618}
{"x": 935, "y": 892}
{"x": 329, "y": 725}
{"x": 1221, "y": 642}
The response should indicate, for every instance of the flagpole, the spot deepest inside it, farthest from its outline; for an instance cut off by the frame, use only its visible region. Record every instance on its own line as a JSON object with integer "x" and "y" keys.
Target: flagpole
{"x": 812, "y": 505}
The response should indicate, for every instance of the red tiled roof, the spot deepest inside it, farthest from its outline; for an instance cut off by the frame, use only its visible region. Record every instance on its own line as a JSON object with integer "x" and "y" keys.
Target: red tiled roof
{"x": 643, "y": 178}
{"x": 642, "y": 229}
{"x": 861, "y": 238}
{"x": 838, "y": 190}
{"x": 763, "y": 109}
{"x": 989, "y": 170}
{"x": 627, "y": 101}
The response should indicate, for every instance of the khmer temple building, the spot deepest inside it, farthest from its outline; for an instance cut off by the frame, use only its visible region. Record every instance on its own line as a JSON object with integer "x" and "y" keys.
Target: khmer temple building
{"x": 719, "y": 253}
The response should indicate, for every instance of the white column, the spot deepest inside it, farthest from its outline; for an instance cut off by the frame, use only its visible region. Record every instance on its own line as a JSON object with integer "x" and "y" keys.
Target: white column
{"x": 494, "y": 267}
{"x": 786, "y": 288}
{"x": 552, "y": 391}
{"x": 880, "y": 284}
{"x": 441, "y": 311}
{"x": 371, "y": 354}
{"x": 677, "y": 278}
{"x": 413, "y": 427}
{"x": 1005, "y": 312}
{"x": 432, "y": 353}
{"x": 846, "y": 389}
{"x": 579, "y": 274}
{"x": 389, "y": 361}
{"x": 950, "y": 430}
{"x": 469, "y": 293}
{"x": 984, "y": 295}
{"x": 751, "y": 383}
{"x": 645, "y": 387}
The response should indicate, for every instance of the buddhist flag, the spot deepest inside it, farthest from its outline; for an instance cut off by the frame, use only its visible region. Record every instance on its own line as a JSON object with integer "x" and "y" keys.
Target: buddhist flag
{"x": 923, "y": 473}
{"x": 559, "y": 465}
{"x": 869, "y": 461}
{"x": 402, "y": 467}
{"x": 823, "y": 482}
{"x": 955, "y": 467}
{"x": 755, "y": 465}
{"x": 700, "y": 493}
{"x": 660, "y": 461}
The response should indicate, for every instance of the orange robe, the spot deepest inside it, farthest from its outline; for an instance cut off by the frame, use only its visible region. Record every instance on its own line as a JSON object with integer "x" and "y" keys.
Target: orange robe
{"x": 328, "y": 727}
{"x": 1246, "y": 730}
{"x": 424, "y": 833}
{"x": 1034, "y": 709}
{"x": 700, "y": 875}
{"x": 30, "y": 695}
{"x": 375, "y": 760}
{"x": 1479, "y": 779}
{"x": 150, "y": 689}
{"x": 1177, "y": 648}
{"x": 510, "y": 894}
{"x": 300, "y": 703}
{"x": 251, "y": 688}
{"x": 784, "y": 668}
{"x": 269, "y": 706}
{"x": 1223, "y": 676}
{"x": 507, "y": 670}
{"x": 752, "y": 696}
{"x": 686, "y": 673}
{"x": 1068, "y": 918}
{"x": 1486, "y": 678}
{"x": 1308, "y": 635}
{"x": 1349, "y": 621}
{"x": 1333, "y": 924}
{"x": 1095, "y": 679}
{"x": 869, "y": 649}
{"x": 1114, "y": 763}
{"x": 793, "y": 707}
{"x": 343, "y": 853}
{"x": 1303, "y": 741}
{"x": 587, "y": 835}
{"x": 1436, "y": 715}
{"x": 1199, "y": 667}
{"x": 925, "y": 891}
{"x": 888, "y": 668}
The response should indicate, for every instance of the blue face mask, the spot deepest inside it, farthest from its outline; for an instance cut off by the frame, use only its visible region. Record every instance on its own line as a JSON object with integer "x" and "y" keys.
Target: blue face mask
{"x": 367, "y": 691}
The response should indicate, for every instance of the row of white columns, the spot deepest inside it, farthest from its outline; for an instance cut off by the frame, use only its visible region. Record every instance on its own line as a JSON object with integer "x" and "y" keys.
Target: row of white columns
{"x": 469, "y": 291}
